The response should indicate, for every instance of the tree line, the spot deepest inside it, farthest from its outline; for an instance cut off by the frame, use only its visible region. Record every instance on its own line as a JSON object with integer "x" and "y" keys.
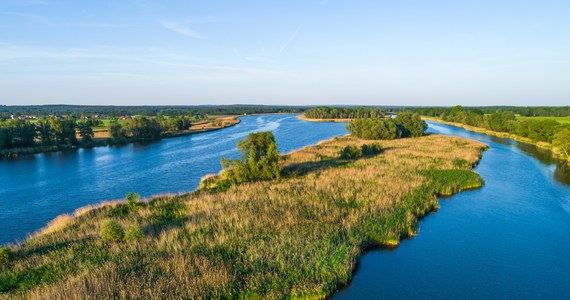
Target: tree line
{"x": 116, "y": 111}
{"x": 549, "y": 131}
{"x": 326, "y": 112}
{"x": 406, "y": 124}
{"x": 54, "y": 131}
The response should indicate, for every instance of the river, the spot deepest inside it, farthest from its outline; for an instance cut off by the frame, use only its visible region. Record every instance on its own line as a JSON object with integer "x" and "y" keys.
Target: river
{"x": 35, "y": 189}
{"x": 507, "y": 240}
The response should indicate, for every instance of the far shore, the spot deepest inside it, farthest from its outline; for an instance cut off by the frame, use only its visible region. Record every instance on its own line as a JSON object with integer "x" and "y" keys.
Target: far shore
{"x": 556, "y": 153}
{"x": 304, "y": 118}
{"x": 102, "y": 141}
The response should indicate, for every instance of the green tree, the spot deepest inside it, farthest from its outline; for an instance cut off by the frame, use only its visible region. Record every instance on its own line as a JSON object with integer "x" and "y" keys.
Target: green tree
{"x": 562, "y": 141}
{"x": 85, "y": 130}
{"x": 411, "y": 125}
{"x": 259, "y": 161}
{"x": 111, "y": 231}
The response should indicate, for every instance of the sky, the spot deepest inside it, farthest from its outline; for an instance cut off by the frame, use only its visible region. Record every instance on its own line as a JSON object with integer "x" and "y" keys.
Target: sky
{"x": 292, "y": 52}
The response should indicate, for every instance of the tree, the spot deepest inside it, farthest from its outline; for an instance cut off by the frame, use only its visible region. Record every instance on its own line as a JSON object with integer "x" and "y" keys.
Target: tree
{"x": 411, "y": 125}
{"x": 562, "y": 141}
{"x": 85, "y": 130}
{"x": 259, "y": 161}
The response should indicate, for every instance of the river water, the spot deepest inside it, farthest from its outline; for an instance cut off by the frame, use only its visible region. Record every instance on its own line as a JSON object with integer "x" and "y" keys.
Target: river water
{"x": 507, "y": 240}
{"x": 36, "y": 189}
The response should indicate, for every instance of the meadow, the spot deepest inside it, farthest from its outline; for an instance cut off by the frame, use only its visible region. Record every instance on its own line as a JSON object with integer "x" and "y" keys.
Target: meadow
{"x": 299, "y": 236}
{"x": 562, "y": 120}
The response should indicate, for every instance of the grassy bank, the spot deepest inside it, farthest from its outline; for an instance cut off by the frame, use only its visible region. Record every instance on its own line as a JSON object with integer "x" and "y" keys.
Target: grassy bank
{"x": 296, "y": 237}
{"x": 543, "y": 145}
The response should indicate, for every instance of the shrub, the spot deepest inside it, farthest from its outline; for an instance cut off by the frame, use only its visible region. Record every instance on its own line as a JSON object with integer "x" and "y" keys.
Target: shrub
{"x": 133, "y": 201}
{"x": 111, "y": 231}
{"x": 4, "y": 255}
{"x": 350, "y": 152}
{"x": 134, "y": 233}
{"x": 372, "y": 149}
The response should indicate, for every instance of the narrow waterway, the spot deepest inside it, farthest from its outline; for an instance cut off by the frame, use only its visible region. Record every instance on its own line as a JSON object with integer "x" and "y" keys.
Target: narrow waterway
{"x": 35, "y": 189}
{"x": 507, "y": 240}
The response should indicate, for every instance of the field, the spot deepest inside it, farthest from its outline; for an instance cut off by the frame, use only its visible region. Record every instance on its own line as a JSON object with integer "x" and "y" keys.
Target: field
{"x": 561, "y": 120}
{"x": 296, "y": 237}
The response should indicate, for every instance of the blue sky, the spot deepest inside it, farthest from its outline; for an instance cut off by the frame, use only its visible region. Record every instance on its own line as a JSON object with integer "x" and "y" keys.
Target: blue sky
{"x": 142, "y": 52}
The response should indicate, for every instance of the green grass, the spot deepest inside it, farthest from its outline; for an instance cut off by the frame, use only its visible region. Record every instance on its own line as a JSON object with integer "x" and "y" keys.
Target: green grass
{"x": 561, "y": 120}
{"x": 296, "y": 237}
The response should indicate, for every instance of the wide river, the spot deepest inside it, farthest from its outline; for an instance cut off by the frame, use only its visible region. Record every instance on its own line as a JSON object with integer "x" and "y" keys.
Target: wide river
{"x": 509, "y": 239}
{"x": 36, "y": 189}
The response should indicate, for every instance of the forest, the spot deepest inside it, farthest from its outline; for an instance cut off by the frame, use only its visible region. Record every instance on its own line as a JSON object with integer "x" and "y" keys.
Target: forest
{"x": 325, "y": 112}
{"x": 108, "y": 111}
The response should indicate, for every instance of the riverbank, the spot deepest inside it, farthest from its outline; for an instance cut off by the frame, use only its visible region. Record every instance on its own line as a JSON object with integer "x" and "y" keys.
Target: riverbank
{"x": 102, "y": 140}
{"x": 299, "y": 236}
{"x": 556, "y": 153}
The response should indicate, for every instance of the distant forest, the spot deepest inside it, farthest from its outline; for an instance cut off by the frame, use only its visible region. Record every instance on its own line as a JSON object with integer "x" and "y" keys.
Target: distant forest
{"x": 108, "y": 111}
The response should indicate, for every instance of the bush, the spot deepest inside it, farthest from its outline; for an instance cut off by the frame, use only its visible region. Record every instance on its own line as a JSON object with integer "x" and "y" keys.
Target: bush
{"x": 134, "y": 233}
{"x": 133, "y": 201}
{"x": 111, "y": 231}
{"x": 4, "y": 255}
{"x": 372, "y": 149}
{"x": 350, "y": 152}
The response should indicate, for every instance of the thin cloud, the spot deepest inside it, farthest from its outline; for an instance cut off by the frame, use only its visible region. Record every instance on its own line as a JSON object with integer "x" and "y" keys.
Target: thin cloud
{"x": 181, "y": 29}
{"x": 290, "y": 40}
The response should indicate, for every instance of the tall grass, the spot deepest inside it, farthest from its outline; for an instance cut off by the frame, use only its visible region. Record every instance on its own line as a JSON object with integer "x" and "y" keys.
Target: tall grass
{"x": 296, "y": 237}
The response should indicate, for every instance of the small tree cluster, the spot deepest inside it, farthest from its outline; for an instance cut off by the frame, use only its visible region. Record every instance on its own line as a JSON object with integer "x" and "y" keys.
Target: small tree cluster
{"x": 350, "y": 152}
{"x": 405, "y": 125}
{"x": 259, "y": 161}
{"x": 353, "y": 152}
{"x": 372, "y": 149}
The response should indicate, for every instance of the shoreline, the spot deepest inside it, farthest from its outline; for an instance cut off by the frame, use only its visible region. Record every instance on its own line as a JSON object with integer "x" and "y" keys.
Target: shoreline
{"x": 106, "y": 142}
{"x": 554, "y": 152}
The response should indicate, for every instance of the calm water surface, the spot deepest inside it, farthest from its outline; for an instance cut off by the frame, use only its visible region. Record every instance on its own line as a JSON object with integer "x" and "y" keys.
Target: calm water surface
{"x": 507, "y": 240}
{"x": 36, "y": 189}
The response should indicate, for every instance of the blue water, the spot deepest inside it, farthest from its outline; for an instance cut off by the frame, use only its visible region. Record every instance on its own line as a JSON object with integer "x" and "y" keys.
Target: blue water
{"x": 507, "y": 240}
{"x": 36, "y": 189}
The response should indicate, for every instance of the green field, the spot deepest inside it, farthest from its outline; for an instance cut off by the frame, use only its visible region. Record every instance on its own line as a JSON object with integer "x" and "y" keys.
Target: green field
{"x": 562, "y": 120}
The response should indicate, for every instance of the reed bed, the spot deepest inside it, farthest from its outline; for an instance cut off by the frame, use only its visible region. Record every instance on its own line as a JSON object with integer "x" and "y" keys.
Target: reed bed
{"x": 296, "y": 237}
